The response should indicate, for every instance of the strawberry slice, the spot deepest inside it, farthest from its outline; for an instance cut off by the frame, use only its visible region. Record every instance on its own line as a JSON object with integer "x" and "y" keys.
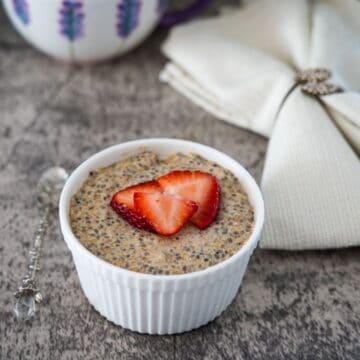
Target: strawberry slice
{"x": 200, "y": 187}
{"x": 126, "y": 196}
{"x": 131, "y": 216}
{"x": 167, "y": 214}
{"x": 123, "y": 203}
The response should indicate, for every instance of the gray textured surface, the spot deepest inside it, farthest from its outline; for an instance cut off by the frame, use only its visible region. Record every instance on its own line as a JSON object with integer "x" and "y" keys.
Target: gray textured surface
{"x": 291, "y": 305}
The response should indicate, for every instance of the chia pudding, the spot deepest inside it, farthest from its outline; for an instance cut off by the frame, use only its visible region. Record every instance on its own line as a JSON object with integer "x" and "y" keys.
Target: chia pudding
{"x": 111, "y": 238}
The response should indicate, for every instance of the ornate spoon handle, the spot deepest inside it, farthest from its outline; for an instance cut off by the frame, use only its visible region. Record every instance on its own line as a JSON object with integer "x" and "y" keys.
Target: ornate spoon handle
{"x": 48, "y": 192}
{"x": 28, "y": 293}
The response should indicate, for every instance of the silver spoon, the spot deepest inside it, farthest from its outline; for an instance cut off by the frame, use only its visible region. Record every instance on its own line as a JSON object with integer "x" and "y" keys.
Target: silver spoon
{"x": 48, "y": 192}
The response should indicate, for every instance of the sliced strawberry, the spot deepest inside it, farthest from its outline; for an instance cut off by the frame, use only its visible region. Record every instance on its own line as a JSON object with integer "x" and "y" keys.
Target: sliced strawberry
{"x": 131, "y": 216}
{"x": 166, "y": 213}
{"x": 200, "y": 187}
{"x": 126, "y": 196}
{"x": 123, "y": 203}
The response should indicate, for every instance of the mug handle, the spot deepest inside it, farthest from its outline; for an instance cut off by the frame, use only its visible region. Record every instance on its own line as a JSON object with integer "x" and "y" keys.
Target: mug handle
{"x": 175, "y": 17}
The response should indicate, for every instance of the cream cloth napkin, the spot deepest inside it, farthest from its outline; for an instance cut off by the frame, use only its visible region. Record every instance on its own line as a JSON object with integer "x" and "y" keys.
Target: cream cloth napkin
{"x": 241, "y": 65}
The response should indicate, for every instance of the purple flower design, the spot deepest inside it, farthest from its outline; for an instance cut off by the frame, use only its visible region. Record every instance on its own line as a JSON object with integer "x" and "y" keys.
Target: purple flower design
{"x": 22, "y": 10}
{"x": 71, "y": 19}
{"x": 161, "y": 6}
{"x": 128, "y": 17}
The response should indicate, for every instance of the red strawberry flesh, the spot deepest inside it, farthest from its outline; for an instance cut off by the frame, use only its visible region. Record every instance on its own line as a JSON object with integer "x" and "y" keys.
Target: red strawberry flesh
{"x": 200, "y": 187}
{"x": 123, "y": 204}
{"x": 126, "y": 196}
{"x": 131, "y": 216}
{"x": 167, "y": 214}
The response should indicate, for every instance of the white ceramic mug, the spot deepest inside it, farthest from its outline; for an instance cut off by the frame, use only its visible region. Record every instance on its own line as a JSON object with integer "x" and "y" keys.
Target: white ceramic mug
{"x": 159, "y": 304}
{"x": 90, "y": 30}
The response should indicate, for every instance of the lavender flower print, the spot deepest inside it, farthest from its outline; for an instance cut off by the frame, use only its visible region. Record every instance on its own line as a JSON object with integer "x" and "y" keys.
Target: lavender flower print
{"x": 71, "y": 19}
{"x": 128, "y": 17}
{"x": 71, "y": 22}
{"x": 22, "y": 10}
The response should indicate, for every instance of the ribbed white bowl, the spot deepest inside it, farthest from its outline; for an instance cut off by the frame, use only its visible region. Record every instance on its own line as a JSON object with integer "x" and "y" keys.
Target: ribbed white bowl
{"x": 159, "y": 304}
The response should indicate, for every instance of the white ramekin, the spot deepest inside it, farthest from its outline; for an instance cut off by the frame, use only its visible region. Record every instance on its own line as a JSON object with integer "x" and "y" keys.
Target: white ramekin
{"x": 159, "y": 304}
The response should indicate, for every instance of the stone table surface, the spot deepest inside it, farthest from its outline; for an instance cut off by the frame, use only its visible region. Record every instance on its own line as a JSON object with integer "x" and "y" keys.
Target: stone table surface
{"x": 291, "y": 305}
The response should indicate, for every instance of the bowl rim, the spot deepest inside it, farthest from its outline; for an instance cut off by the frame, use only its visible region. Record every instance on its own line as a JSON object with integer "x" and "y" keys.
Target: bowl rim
{"x": 69, "y": 236}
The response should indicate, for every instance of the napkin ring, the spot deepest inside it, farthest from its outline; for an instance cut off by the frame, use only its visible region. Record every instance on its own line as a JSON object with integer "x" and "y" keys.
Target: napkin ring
{"x": 314, "y": 82}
